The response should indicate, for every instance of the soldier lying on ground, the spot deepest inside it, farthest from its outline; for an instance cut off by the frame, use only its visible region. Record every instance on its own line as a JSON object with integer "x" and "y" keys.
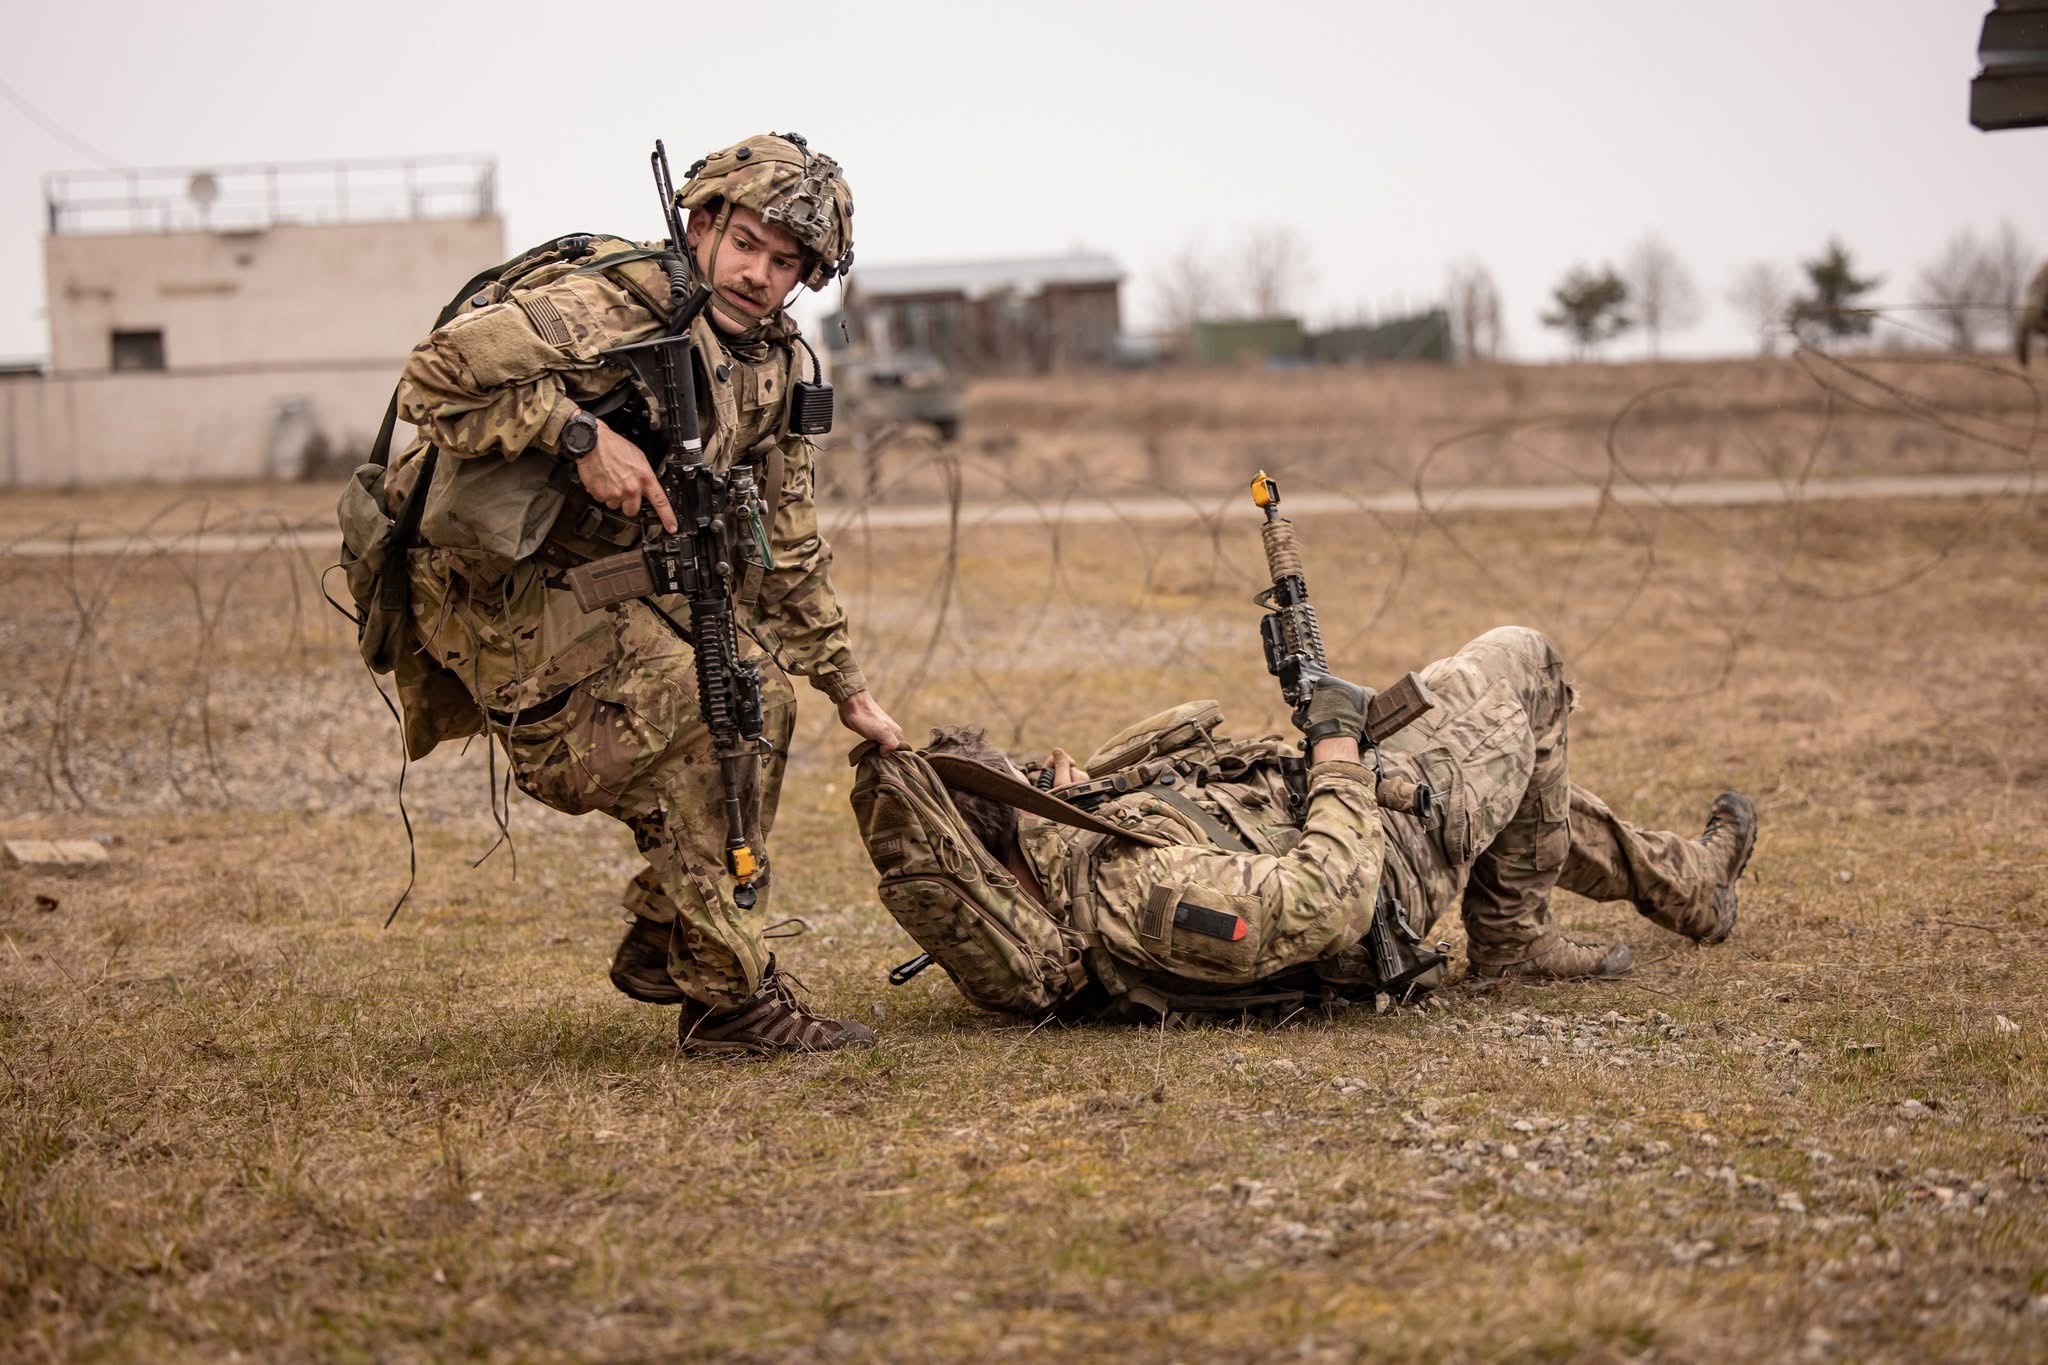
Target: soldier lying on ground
{"x": 1202, "y": 889}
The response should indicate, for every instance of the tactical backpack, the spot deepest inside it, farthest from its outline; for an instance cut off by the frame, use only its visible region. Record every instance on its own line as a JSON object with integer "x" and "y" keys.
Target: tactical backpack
{"x": 376, "y": 540}
{"x": 1003, "y": 949}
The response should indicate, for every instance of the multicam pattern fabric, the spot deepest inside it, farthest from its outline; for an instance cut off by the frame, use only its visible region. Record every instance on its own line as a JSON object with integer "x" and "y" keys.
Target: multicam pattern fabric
{"x": 789, "y": 185}
{"x": 1513, "y": 826}
{"x": 1314, "y": 898}
{"x": 2033, "y": 319}
{"x": 630, "y": 743}
{"x": 491, "y": 389}
{"x": 1669, "y": 878}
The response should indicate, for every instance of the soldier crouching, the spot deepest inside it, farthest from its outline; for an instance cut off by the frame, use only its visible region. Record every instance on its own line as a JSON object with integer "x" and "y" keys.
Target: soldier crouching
{"x": 546, "y": 466}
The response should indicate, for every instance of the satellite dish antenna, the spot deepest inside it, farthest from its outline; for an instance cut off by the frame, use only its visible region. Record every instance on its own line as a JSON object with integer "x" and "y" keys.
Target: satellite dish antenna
{"x": 203, "y": 189}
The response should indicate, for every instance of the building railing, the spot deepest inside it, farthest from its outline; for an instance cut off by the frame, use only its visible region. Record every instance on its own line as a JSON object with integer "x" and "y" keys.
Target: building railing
{"x": 251, "y": 198}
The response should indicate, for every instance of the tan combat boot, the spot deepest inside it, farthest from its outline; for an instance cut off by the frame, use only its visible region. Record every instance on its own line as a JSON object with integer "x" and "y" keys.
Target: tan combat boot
{"x": 640, "y": 966}
{"x": 1730, "y": 836}
{"x": 1557, "y": 958}
{"x": 773, "y": 1020}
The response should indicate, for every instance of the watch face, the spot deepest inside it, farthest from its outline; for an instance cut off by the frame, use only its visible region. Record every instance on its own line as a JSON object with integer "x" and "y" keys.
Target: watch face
{"x": 579, "y": 435}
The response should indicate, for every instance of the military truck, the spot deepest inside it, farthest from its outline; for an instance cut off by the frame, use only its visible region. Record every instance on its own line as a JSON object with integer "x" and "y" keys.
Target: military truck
{"x": 903, "y": 388}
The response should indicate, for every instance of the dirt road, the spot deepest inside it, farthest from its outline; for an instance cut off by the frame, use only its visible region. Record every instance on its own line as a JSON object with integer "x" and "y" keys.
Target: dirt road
{"x": 1075, "y": 511}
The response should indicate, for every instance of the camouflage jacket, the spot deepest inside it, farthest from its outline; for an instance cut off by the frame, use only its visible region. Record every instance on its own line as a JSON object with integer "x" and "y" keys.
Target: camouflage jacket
{"x": 493, "y": 388}
{"x": 1302, "y": 892}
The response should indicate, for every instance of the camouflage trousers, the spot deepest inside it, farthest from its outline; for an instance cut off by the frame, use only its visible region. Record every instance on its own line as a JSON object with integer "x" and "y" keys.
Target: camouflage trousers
{"x": 629, "y": 742}
{"x": 1513, "y": 825}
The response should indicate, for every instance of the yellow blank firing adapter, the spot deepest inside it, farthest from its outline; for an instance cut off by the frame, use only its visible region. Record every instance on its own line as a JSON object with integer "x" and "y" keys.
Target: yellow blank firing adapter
{"x": 744, "y": 864}
{"x": 1265, "y": 492}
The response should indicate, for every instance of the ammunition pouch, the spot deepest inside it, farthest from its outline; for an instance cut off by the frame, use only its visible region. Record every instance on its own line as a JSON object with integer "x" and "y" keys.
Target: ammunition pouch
{"x": 584, "y": 529}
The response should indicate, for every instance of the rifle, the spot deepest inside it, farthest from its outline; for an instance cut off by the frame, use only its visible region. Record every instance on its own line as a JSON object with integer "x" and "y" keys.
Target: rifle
{"x": 718, "y": 517}
{"x": 1293, "y": 639}
{"x": 1293, "y": 643}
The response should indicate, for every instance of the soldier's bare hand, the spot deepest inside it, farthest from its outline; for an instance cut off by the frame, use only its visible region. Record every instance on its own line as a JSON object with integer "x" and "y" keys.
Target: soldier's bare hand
{"x": 1065, "y": 771}
{"x": 863, "y": 715}
{"x": 618, "y": 475}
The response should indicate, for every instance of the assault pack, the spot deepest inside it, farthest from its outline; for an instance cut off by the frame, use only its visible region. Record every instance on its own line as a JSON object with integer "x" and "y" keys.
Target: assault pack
{"x": 387, "y": 506}
{"x": 375, "y": 537}
{"x": 1009, "y": 954}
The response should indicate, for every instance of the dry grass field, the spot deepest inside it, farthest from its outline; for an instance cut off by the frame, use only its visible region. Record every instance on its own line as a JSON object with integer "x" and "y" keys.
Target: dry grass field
{"x": 239, "y": 1117}
{"x": 1196, "y": 431}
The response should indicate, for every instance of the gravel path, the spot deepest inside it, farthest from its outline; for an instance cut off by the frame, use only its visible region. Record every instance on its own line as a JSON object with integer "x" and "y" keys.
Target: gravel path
{"x": 1458, "y": 498}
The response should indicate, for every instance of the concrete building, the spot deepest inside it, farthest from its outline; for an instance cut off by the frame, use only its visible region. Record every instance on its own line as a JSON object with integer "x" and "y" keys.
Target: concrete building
{"x": 241, "y": 323}
{"x": 980, "y": 317}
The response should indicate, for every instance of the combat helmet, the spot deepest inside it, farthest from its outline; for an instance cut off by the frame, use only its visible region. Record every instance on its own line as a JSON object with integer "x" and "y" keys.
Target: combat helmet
{"x": 778, "y": 176}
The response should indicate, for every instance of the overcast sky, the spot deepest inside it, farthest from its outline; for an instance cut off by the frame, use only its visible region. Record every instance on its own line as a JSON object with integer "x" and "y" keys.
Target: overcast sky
{"x": 1395, "y": 137}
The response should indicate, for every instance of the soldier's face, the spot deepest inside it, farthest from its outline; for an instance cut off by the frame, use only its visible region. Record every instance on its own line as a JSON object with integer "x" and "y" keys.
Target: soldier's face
{"x": 757, "y": 264}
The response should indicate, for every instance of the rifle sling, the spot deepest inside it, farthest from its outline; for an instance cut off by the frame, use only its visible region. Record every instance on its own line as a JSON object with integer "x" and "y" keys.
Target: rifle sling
{"x": 982, "y": 780}
{"x": 1219, "y": 834}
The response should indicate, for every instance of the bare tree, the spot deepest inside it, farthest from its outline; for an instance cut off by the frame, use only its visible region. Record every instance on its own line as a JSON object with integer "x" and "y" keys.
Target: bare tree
{"x": 1661, "y": 289}
{"x": 1188, "y": 289}
{"x": 1762, "y": 292}
{"x": 1273, "y": 261}
{"x": 2007, "y": 259}
{"x": 1473, "y": 301}
{"x": 1960, "y": 290}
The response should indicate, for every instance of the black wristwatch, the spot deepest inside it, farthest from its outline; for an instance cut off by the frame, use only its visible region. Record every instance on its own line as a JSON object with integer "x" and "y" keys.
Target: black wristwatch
{"x": 579, "y": 436}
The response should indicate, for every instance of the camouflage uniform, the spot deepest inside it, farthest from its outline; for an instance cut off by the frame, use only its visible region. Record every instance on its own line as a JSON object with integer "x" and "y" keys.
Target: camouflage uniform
{"x": 1513, "y": 826}
{"x": 1303, "y": 892}
{"x": 598, "y": 712}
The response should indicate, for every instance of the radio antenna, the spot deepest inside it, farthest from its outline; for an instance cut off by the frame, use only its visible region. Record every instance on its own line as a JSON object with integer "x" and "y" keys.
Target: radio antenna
{"x": 664, "y": 183}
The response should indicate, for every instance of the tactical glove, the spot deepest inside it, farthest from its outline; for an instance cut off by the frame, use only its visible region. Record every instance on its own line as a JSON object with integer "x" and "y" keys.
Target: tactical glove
{"x": 1334, "y": 707}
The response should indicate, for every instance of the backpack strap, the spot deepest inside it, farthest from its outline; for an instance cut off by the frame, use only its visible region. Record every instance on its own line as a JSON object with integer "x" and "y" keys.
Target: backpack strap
{"x": 1219, "y": 833}
{"x": 394, "y": 580}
